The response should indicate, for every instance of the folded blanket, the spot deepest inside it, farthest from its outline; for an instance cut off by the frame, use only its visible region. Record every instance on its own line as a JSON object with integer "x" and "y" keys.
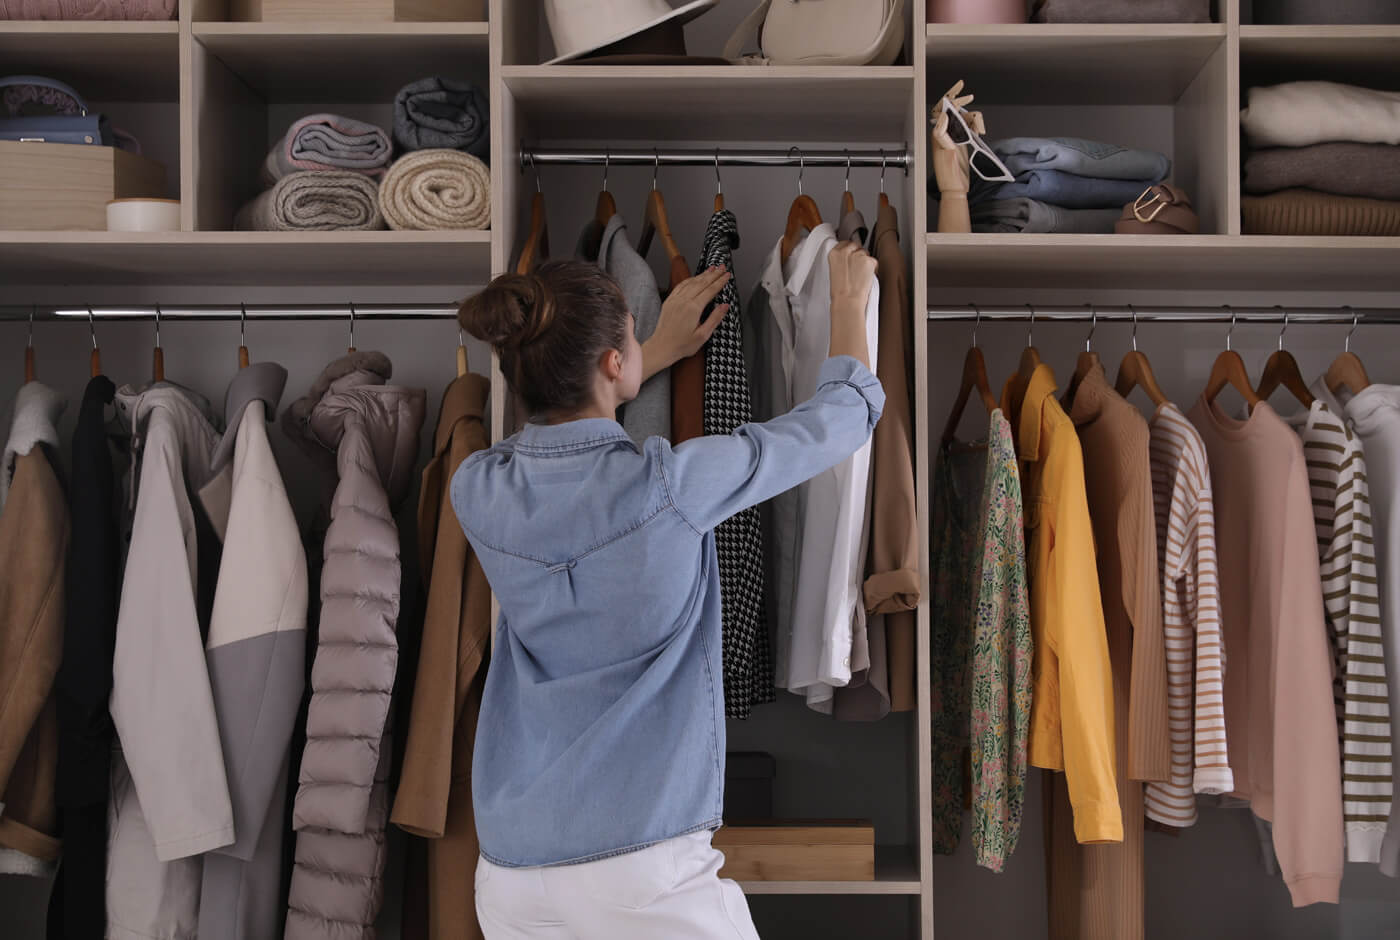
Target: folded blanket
{"x": 88, "y": 9}
{"x": 1304, "y": 212}
{"x": 314, "y": 201}
{"x": 1121, "y": 11}
{"x": 1065, "y": 190}
{"x": 1346, "y": 169}
{"x": 1299, "y": 114}
{"x": 1040, "y": 218}
{"x": 442, "y": 112}
{"x": 329, "y": 142}
{"x": 1082, "y": 158}
{"x": 437, "y": 189}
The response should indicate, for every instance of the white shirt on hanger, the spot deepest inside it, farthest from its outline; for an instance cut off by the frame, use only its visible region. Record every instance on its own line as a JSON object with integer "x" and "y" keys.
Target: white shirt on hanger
{"x": 828, "y": 614}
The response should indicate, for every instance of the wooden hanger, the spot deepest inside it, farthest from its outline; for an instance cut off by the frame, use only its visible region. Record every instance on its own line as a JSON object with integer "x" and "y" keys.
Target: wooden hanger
{"x": 158, "y": 354}
{"x": 1346, "y": 370}
{"x": 461, "y": 354}
{"x": 803, "y": 216}
{"x": 1030, "y": 356}
{"x": 242, "y": 339}
{"x": 607, "y": 206}
{"x": 29, "y": 351}
{"x": 1282, "y": 369}
{"x": 1229, "y": 370}
{"x": 655, "y": 221}
{"x": 1136, "y": 372}
{"x": 95, "y": 358}
{"x": 536, "y": 247}
{"x": 719, "y": 185}
{"x": 974, "y": 377}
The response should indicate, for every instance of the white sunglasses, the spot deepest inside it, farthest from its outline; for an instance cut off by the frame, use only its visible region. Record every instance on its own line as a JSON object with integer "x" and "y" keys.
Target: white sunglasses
{"x": 983, "y": 161}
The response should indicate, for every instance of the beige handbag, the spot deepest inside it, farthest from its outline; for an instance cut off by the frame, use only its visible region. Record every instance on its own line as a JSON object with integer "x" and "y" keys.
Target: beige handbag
{"x": 823, "y": 32}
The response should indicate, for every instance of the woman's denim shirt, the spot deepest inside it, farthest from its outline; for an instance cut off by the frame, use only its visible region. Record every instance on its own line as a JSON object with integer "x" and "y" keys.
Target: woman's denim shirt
{"x": 602, "y": 722}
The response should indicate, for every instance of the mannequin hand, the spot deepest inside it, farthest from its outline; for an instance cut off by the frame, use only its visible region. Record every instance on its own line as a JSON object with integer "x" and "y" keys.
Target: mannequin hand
{"x": 852, "y": 275}
{"x": 679, "y": 332}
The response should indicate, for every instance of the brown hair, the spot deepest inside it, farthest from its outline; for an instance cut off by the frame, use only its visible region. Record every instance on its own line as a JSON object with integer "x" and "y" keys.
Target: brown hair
{"x": 549, "y": 327}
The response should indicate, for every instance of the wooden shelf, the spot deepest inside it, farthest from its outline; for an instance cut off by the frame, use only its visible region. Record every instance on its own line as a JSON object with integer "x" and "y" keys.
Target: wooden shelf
{"x": 104, "y": 61}
{"x": 251, "y": 258}
{"x": 344, "y": 62}
{"x": 1165, "y": 262}
{"x": 1024, "y": 63}
{"x": 896, "y": 872}
{"x": 756, "y": 103}
{"x": 1364, "y": 55}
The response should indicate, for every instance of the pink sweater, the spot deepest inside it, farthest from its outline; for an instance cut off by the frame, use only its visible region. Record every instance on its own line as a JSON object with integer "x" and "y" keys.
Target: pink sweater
{"x": 1279, "y": 714}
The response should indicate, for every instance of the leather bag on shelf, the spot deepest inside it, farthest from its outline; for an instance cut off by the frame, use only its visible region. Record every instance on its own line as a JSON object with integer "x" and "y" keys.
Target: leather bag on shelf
{"x": 68, "y": 120}
{"x": 822, "y": 32}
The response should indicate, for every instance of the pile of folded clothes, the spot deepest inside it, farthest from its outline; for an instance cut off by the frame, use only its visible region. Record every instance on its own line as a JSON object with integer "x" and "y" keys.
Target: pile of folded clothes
{"x": 1324, "y": 160}
{"x": 1121, "y": 11}
{"x": 1063, "y": 185}
{"x": 331, "y": 172}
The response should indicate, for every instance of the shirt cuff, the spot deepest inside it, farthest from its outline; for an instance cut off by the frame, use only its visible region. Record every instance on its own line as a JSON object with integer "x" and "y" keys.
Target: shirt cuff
{"x": 848, "y": 370}
{"x": 1098, "y": 822}
{"x": 1315, "y": 889}
{"x": 1214, "y": 780}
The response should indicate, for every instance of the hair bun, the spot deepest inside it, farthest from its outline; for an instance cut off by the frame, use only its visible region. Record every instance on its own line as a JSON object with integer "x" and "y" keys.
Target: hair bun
{"x": 512, "y": 311}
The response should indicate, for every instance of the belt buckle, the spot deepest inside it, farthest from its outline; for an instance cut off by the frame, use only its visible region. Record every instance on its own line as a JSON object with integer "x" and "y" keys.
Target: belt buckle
{"x": 1139, "y": 206}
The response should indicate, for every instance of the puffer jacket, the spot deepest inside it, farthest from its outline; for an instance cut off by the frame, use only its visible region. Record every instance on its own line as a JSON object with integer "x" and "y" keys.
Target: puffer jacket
{"x": 367, "y": 431}
{"x": 33, "y": 541}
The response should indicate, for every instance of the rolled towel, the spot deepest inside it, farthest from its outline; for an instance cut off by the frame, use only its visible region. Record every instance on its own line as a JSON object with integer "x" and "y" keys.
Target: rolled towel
{"x": 1082, "y": 158}
{"x": 88, "y": 9}
{"x": 1063, "y": 189}
{"x": 1121, "y": 11}
{"x": 1040, "y": 218}
{"x": 1345, "y": 169}
{"x": 437, "y": 189}
{"x": 315, "y": 201}
{"x": 329, "y": 142}
{"x": 1304, "y": 212}
{"x": 442, "y": 113}
{"x": 1299, "y": 114}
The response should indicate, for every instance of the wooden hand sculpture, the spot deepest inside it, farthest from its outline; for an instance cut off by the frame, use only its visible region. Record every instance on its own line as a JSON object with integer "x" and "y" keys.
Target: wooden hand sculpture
{"x": 951, "y": 163}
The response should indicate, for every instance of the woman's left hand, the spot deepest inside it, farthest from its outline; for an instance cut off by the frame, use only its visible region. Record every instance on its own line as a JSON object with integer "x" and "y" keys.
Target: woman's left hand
{"x": 679, "y": 332}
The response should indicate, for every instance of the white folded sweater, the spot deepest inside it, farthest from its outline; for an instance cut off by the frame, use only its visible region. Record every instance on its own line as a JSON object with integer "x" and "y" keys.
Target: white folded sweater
{"x": 1300, "y": 114}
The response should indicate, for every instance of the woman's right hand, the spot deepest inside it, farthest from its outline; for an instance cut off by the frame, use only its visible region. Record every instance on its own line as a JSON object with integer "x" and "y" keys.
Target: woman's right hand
{"x": 679, "y": 332}
{"x": 852, "y": 276}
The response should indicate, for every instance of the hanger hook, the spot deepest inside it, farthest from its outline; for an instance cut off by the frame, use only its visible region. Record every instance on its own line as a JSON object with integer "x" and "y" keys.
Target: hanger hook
{"x": 1285, "y": 326}
{"x": 1231, "y": 332}
{"x": 801, "y": 166}
{"x": 1093, "y": 325}
{"x": 607, "y": 161}
{"x": 882, "y": 169}
{"x": 32, "y": 309}
{"x": 242, "y": 323}
{"x": 539, "y": 188}
{"x": 1030, "y": 330}
{"x": 655, "y": 166}
{"x": 976, "y": 323}
{"x": 1355, "y": 318}
{"x": 1134, "y": 312}
{"x": 157, "y": 324}
{"x": 719, "y": 183}
{"x": 352, "y": 325}
{"x": 92, "y": 328}
{"x": 848, "y": 171}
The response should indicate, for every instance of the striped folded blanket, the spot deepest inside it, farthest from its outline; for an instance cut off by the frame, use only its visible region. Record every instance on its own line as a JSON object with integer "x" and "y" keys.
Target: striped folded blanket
{"x": 329, "y": 142}
{"x": 315, "y": 201}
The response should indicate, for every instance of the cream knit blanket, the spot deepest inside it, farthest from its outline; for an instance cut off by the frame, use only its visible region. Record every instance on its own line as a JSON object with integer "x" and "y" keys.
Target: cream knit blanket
{"x": 437, "y": 189}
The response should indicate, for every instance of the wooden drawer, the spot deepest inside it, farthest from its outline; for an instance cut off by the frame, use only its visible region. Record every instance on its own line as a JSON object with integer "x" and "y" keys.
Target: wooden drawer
{"x": 810, "y": 850}
{"x": 67, "y": 186}
{"x": 358, "y": 11}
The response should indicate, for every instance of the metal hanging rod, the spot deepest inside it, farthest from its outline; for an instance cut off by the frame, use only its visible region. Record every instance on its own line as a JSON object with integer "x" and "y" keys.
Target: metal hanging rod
{"x": 894, "y": 158}
{"x": 1085, "y": 313}
{"x": 235, "y": 312}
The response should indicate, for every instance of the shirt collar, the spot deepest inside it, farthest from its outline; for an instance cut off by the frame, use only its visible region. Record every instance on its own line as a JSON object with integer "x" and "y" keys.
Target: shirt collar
{"x": 538, "y": 438}
{"x": 804, "y": 259}
{"x": 1039, "y": 389}
{"x": 1091, "y": 396}
{"x": 465, "y": 398}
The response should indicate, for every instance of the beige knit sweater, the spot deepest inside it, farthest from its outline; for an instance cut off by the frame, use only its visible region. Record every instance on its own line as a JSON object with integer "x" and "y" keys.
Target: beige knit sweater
{"x": 1305, "y": 212}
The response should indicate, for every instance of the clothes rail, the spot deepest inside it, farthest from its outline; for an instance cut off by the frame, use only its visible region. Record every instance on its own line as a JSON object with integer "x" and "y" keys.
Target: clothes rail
{"x": 233, "y": 312}
{"x": 1086, "y": 313}
{"x": 795, "y": 157}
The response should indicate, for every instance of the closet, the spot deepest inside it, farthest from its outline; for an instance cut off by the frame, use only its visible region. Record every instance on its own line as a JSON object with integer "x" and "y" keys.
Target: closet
{"x": 209, "y": 95}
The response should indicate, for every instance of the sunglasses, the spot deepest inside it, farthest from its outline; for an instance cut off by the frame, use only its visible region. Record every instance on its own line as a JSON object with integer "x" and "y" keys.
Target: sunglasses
{"x": 984, "y": 162}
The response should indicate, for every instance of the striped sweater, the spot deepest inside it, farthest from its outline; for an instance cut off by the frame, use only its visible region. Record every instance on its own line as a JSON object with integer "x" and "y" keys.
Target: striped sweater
{"x": 1342, "y": 510}
{"x": 1191, "y": 603}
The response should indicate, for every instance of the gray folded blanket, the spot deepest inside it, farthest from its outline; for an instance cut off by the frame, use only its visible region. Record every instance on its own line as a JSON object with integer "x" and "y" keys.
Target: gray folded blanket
{"x": 1033, "y": 217}
{"x": 1344, "y": 169}
{"x": 315, "y": 201}
{"x": 329, "y": 142}
{"x": 443, "y": 113}
{"x": 1121, "y": 11}
{"x": 88, "y": 9}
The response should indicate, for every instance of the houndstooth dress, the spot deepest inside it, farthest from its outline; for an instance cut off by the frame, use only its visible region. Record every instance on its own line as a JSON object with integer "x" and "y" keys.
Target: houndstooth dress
{"x": 748, "y": 663}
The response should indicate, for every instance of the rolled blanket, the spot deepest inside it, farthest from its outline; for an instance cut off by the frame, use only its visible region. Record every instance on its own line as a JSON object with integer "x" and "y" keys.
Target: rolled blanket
{"x": 1304, "y": 212}
{"x": 1299, "y": 114}
{"x": 1082, "y": 158}
{"x": 88, "y": 9}
{"x": 442, "y": 113}
{"x": 1040, "y": 218}
{"x": 437, "y": 189}
{"x": 329, "y": 142}
{"x": 1064, "y": 189}
{"x": 1121, "y": 11}
{"x": 1345, "y": 169}
{"x": 315, "y": 201}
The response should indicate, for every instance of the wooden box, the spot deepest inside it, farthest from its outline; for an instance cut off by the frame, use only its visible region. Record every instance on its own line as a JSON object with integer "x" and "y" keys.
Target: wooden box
{"x": 810, "y": 850}
{"x": 357, "y": 11}
{"x": 67, "y": 186}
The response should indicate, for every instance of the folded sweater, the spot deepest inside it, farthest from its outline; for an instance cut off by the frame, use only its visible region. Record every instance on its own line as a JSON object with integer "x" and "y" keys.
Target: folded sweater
{"x": 1346, "y": 169}
{"x": 1122, "y": 11}
{"x": 1304, "y": 212}
{"x": 1082, "y": 158}
{"x": 1298, "y": 114}
{"x": 1040, "y": 218}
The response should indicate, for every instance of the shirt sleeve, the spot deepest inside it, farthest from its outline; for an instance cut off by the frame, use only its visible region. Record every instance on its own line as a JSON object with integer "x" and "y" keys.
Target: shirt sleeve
{"x": 1212, "y": 761}
{"x": 1149, "y": 749}
{"x": 711, "y": 478}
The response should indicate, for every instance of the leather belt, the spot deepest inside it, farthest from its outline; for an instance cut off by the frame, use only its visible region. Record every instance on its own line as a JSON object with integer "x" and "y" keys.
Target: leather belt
{"x": 1161, "y": 210}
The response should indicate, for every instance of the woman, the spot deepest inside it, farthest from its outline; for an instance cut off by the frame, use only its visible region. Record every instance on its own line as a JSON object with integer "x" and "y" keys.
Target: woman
{"x": 599, "y": 763}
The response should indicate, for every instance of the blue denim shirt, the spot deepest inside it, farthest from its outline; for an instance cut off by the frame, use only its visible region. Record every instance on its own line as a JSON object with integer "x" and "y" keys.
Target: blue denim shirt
{"x": 602, "y": 722}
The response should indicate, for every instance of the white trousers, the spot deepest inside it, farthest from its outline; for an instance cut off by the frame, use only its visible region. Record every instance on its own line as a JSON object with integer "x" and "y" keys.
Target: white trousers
{"x": 669, "y": 890}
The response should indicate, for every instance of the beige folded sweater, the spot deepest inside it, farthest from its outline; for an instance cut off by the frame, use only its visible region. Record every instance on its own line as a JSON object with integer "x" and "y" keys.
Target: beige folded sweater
{"x": 1305, "y": 212}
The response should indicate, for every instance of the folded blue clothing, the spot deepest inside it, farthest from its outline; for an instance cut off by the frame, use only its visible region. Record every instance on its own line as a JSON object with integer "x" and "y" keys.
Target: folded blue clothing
{"x": 1082, "y": 158}
{"x": 1041, "y": 218}
{"x": 1066, "y": 190}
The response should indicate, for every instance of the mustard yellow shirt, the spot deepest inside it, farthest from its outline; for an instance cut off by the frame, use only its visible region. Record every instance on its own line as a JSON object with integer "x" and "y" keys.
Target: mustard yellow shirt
{"x": 1071, "y": 679}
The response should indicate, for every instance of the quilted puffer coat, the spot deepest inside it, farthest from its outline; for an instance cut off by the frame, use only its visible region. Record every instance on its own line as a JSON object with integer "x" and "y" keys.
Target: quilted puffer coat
{"x": 367, "y": 432}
